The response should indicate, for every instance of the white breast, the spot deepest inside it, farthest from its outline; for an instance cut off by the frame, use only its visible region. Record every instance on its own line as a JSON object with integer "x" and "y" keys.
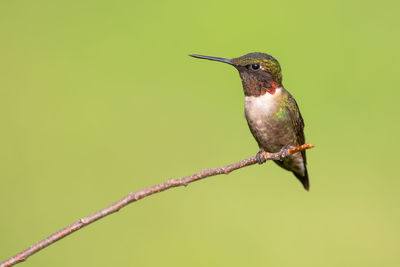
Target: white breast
{"x": 258, "y": 107}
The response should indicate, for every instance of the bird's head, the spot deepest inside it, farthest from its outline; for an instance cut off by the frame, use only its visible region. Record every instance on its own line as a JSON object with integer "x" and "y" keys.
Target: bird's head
{"x": 260, "y": 73}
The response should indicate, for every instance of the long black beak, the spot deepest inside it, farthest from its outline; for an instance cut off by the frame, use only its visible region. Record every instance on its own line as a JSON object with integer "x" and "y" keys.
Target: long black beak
{"x": 224, "y": 60}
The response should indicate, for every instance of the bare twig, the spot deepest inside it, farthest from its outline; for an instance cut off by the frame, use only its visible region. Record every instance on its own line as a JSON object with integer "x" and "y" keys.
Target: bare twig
{"x": 132, "y": 197}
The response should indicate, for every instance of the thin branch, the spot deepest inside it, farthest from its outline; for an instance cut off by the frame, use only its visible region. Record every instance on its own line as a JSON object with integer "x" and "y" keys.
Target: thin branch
{"x": 132, "y": 197}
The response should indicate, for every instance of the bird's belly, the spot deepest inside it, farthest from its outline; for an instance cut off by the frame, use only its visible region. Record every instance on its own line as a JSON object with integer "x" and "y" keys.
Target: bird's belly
{"x": 270, "y": 132}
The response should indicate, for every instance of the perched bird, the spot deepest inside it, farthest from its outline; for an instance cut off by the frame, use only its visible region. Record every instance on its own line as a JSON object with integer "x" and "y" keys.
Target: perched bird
{"x": 271, "y": 111}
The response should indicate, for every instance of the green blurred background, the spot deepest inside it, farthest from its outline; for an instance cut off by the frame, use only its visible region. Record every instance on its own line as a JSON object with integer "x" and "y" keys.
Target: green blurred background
{"x": 99, "y": 98}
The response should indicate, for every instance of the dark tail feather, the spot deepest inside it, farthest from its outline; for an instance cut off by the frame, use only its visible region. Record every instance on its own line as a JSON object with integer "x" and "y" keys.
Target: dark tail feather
{"x": 303, "y": 179}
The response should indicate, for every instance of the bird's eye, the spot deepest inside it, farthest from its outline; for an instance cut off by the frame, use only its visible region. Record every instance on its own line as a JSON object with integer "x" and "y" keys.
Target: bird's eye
{"x": 255, "y": 66}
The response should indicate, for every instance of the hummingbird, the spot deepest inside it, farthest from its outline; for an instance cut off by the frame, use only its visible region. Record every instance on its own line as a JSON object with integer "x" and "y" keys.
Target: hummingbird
{"x": 271, "y": 111}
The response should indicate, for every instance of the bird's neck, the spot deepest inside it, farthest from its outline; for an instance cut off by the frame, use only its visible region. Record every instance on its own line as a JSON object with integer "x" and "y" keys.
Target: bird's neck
{"x": 259, "y": 87}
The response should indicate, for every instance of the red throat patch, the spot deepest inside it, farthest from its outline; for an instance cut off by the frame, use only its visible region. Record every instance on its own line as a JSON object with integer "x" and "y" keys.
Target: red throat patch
{"x": 272, "y": 90}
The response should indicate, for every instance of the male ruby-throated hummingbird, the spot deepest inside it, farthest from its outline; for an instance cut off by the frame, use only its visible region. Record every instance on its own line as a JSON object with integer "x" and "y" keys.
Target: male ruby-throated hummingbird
{"x": 271, "y": 111}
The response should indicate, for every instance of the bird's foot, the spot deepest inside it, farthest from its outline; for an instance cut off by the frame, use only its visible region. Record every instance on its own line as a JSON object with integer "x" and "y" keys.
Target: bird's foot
{"x": 285, "y": 151}
{"x": 260, "y": 156}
